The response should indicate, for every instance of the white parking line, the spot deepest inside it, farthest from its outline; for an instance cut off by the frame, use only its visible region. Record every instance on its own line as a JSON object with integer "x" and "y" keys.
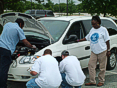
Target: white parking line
{"x": 111, "y": 72}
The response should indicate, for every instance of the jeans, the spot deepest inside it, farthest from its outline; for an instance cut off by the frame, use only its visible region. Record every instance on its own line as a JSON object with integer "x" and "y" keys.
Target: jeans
{"x": 32, "y": 84}
{"x": 64, "y": 83}
{"x": 5, "y": 62}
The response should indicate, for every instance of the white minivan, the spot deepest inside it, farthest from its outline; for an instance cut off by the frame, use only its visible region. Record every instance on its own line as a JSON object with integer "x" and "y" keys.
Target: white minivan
{"x": 57, "y": 34}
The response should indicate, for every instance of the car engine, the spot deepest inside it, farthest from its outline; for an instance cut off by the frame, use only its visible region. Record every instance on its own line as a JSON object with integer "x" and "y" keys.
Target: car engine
{"x": 23, "y": 51}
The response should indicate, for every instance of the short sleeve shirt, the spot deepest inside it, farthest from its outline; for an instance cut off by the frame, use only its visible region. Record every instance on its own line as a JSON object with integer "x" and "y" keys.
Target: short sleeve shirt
{"x": 10, "y": 36}
{"x": 71, "y": 67}
{"x": 98, "y": 38}
{"x": 48, "y": 70}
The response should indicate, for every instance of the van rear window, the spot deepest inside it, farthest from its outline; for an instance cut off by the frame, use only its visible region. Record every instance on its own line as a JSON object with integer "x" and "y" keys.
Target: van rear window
{"x": 50, "y": 13}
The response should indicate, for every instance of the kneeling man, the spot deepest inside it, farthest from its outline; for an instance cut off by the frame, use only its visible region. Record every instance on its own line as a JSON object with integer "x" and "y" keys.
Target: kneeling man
{"x": 71, "y": 71}
{"x": 48, "y": 72}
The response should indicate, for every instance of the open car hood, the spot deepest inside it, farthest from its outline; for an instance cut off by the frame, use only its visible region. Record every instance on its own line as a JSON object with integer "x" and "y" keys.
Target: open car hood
{"x": 30, "y": 23}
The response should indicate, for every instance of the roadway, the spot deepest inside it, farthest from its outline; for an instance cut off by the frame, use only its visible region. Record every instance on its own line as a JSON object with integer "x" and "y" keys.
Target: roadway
{"x": 110, "y": 80}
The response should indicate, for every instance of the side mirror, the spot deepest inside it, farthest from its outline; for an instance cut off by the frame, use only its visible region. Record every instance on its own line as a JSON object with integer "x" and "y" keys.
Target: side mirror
{"x": 71, "y": 39}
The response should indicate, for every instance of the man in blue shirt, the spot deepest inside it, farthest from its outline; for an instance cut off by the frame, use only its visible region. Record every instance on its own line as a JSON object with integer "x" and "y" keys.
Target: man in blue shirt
{"x": 12, "y": 33}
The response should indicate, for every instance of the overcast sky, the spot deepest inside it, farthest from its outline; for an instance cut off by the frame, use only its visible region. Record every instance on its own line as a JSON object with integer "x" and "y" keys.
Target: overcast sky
{"x": 57, "y": 1}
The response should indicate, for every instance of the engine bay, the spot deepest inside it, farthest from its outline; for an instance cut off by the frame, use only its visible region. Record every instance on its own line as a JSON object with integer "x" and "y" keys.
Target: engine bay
{"x": 22, "y": 50}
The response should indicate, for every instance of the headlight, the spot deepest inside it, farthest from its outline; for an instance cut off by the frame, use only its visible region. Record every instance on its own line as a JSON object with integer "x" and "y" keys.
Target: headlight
{"x": 28, "y": 59}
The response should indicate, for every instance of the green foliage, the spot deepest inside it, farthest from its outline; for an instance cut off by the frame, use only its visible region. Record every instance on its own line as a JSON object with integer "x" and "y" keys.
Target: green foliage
{"x": 79, "y": 8}
{"x": 49, "y": 5}
{"x": 19, "y": 6}
{"x": 100, "y": 6}
{"x": 62, "y": 7}
{"x": 23, "y": 5}
{"x": 15, "y": 5}
{"x": 71, "y": 6}
{"x": 34, "y": 5}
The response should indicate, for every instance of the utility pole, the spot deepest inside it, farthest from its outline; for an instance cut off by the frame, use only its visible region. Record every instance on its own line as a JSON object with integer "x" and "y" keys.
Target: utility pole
{"x": 59, "y": 7}
{"x": 67, "y": 7}
{"x": 31, "y": 4}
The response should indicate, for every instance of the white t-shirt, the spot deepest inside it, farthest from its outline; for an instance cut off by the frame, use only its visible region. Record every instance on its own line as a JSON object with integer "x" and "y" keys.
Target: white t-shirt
{"x": 98, "y": 38}
{"x": 71, "y": 67}
{"x": 48, "y": 70}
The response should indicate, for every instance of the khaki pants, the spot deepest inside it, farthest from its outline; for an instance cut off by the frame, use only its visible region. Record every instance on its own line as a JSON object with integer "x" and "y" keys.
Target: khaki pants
{"x": 102, "y": 59}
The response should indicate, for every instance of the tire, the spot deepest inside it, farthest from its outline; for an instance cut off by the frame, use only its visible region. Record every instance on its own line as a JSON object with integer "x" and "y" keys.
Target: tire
{"x": 111, "y": 61}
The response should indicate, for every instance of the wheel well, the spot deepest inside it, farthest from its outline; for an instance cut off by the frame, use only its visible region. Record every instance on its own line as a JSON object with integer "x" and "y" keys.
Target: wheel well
{"x": 114, "y": 49}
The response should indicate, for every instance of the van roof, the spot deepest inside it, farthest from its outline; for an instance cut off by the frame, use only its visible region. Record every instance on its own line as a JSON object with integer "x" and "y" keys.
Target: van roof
{"x": 69, "y": 18}
{"x": 39, "y": 10}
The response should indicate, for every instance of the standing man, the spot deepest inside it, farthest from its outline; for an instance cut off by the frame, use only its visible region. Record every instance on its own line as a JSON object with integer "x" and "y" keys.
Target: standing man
{"x": 12, "y": 33}
{"x": 48, "y": 72}
{"x": 72, "y": 74}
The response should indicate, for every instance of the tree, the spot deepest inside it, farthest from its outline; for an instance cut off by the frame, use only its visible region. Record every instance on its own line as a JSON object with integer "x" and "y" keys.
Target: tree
{"x": 62, "y": 7}
{"x": 11, "y": 4}
{"x": 56, "y": 8}
{"x": 49, "y": 5}
{"x": 79, "y": 8}
{"x": 1, "y": 7}
{"x": 100, "y": 7}
{"x": 71, "y": 6}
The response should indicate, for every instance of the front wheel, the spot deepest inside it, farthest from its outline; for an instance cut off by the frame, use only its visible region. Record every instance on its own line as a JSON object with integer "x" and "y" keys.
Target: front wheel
{"x": 111, "y": 61}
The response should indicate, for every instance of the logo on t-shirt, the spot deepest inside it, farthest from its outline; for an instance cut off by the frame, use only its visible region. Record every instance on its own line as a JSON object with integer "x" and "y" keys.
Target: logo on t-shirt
{"x": 94, "y": 38}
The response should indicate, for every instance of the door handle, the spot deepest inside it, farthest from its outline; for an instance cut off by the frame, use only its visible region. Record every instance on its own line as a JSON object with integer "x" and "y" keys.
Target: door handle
{"x": 87, "y": 47}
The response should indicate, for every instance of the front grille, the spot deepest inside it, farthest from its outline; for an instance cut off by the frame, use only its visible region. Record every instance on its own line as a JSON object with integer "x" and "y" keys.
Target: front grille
{"x": 10, "y": 76}
{"x": 25, "y": 77}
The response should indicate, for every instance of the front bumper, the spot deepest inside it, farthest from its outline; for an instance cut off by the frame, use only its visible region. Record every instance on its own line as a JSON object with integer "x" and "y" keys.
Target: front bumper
{"x": 19, "y": 72}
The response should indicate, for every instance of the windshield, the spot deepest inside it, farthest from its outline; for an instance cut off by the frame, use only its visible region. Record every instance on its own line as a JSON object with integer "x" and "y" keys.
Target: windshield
{"x": 27, "y": 12}
{"x": 55, "y": 28}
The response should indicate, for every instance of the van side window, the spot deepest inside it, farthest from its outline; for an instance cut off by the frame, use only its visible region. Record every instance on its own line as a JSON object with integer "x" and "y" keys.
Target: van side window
{"x": 87, "y": 25}
{"x": 32, "y": 12}
{"x": 112, "y": 29}
{"x": 75, "y": 30}
{"x": 40, "y": 12}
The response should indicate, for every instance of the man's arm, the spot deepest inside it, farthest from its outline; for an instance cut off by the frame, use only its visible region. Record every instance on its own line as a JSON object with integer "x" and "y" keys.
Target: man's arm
{"x": 108, "y": 48}
{"x": 33, "y": 73}
{"x": 26, "y": 43}
{"x": 108, "y": 45}
{"x": 61, "y": 67}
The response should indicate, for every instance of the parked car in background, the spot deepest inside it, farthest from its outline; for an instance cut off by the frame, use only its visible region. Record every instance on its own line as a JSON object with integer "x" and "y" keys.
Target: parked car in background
{"x": 40, "y": 13}
{"x": 57, "y": 34}
{"x": 114, "y": 19}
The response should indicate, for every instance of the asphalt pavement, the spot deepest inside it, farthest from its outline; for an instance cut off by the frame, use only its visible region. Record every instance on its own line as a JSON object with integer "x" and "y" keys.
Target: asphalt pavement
{"x": 110, "y": 80}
